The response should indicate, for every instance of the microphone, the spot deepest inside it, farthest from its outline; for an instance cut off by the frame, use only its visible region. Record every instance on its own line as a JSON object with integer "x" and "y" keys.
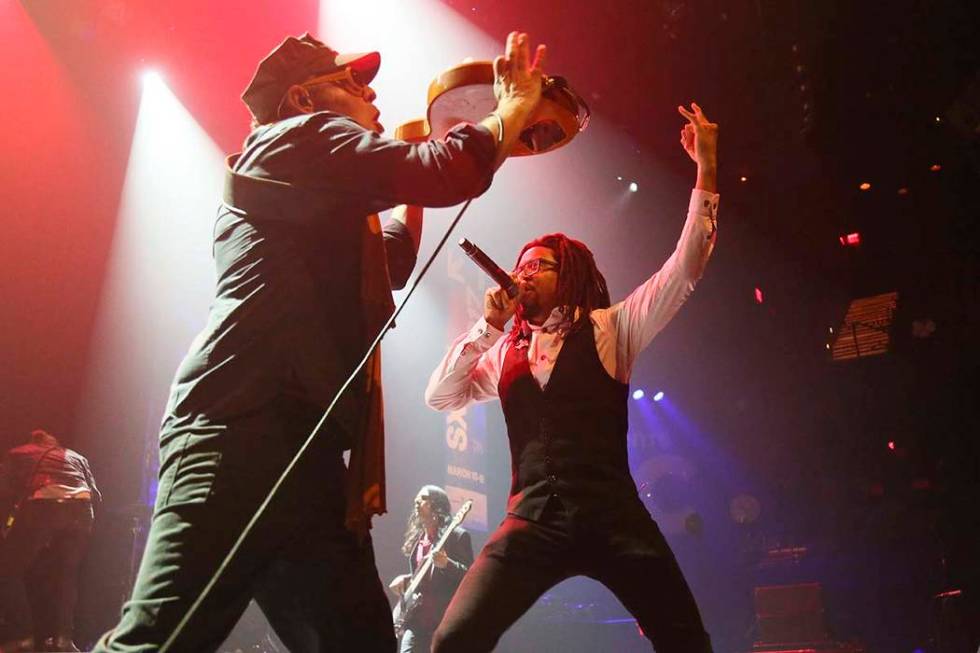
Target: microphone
{"x": 487, "y": 265}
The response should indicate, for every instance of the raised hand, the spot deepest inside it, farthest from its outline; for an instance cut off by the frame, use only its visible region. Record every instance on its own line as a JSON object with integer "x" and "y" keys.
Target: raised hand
{"x": 516, "y": 78}
{"x": 699, "y": 136}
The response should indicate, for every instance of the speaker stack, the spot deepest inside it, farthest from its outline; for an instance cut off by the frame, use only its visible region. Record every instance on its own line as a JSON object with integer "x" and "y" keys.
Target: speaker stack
{"x": 790, "y": 619}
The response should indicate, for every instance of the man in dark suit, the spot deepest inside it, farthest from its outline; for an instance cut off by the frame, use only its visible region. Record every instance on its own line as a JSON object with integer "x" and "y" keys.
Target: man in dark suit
{"x": 430, "y": 517}
{"x": 305, "y": 272}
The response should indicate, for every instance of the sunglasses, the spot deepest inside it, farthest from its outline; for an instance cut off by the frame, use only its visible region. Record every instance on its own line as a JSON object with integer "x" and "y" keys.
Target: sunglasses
{"x": 348, "y": 78}
{"x": 535, "y": 265}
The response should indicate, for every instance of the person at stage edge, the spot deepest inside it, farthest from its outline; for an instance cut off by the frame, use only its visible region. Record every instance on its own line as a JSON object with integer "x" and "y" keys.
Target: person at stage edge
{"x": 430, "y": 517}
{"x": 46, "y": 496}
{"x": 304, "y": 279}
{"x": 562, "y": 375}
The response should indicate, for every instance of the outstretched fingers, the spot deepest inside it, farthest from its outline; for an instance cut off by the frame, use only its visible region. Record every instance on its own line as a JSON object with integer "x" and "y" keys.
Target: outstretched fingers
{"x": 523, "y": 62}
{"x": 499, "y": 66}
{"x": 695, "y": 116}
{"x": 539, "y": 58}
{"x": 510, "y": 49}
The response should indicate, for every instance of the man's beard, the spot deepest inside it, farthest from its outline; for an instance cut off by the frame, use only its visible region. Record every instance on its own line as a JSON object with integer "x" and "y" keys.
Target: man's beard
{"x": 527, "y": 306}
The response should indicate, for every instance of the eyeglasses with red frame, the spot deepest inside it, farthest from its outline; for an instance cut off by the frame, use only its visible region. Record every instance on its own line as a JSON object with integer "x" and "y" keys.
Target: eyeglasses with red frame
{"x": 534, "y": 266}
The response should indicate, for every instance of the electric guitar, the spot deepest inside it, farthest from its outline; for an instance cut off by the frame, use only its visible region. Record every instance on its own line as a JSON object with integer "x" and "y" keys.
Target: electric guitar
{"x": 411, "y": 598}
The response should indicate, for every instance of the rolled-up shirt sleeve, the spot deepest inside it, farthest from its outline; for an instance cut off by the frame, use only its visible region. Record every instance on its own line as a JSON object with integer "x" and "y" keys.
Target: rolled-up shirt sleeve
{"x": 647, "y": 310}
{"x": 384, "y": 172}
{"x": 470, "y": 370}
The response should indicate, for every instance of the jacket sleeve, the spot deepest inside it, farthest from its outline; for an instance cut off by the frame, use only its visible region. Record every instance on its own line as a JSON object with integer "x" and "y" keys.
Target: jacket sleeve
{"x": 384, "y": 172}
{"x": 459, "y": 548}
{"x": 400, "y": 252}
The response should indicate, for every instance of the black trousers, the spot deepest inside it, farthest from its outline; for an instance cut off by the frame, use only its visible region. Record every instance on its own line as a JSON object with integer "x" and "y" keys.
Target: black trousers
{"x": 316, "y": 583}
{"x": 523, "y": 559}
{"x": 39, "y": 565}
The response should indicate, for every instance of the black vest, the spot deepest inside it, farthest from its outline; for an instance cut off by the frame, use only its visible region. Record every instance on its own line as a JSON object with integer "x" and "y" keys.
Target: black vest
{"x": 568, "y": 440}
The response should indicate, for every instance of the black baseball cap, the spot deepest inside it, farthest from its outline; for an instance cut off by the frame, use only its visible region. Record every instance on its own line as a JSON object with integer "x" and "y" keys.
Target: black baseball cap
{"x": 294, "y": 61}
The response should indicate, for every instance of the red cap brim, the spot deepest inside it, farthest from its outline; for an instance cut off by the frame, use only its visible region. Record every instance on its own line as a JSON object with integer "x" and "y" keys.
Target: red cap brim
{"x": 366, "y": 64}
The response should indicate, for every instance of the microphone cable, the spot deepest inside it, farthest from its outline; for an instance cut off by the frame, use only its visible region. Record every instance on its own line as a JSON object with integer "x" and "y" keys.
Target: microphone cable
{"x": 202, "y": 596}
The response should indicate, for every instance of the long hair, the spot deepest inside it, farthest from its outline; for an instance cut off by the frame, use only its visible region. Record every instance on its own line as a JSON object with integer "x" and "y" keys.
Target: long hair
{"x": 580, "y": 284}
{"x": 440, "y": 507}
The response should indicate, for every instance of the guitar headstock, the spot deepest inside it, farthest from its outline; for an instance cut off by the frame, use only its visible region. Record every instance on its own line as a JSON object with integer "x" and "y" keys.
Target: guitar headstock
{"x": 461, "y": 513}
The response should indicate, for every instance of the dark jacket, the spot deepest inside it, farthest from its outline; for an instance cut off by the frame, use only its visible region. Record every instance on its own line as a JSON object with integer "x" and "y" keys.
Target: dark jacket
{"x": 30, "y": 467}
{"x": 437, "y": 591}
{"x": 288, "y": 313}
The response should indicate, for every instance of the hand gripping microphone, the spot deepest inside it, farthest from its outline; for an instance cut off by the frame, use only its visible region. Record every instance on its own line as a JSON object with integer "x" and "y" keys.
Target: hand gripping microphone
{"x": 487, "y": 265}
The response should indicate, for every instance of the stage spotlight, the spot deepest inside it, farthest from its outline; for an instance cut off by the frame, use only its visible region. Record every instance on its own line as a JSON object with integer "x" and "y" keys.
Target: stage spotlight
{"x": 151, "y": 77}
{"x": 865, "y": 186}
{"x": 638, "y": 394}
{"x": 634, "y": 187}
{"x": 891, "y": 445}
{"x": 658, "y": 396}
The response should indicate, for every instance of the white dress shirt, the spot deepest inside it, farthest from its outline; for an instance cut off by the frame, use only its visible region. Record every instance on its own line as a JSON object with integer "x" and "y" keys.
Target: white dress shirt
{"x": 471, "y": 369}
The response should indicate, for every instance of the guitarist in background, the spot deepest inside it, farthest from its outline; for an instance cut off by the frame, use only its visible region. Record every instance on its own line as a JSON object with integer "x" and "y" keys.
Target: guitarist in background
{"x": 420, "y": 616}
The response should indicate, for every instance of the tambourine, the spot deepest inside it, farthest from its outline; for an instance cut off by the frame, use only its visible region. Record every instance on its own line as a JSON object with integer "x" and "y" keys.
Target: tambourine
{"x": 464, "y": 93}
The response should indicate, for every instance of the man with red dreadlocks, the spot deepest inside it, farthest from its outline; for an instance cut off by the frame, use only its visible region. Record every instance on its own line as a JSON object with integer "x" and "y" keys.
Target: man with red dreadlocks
{"x": 562, "y": 376}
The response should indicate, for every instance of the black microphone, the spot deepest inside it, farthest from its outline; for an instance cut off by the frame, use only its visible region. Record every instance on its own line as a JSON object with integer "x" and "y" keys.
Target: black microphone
{"x": 487, "y": 265}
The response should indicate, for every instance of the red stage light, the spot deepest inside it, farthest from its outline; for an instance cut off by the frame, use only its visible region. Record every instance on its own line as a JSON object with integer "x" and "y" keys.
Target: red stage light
{"x": 891, "y": 445}
{"x": 851, "y": 239}
{"x": 758, "y": 295}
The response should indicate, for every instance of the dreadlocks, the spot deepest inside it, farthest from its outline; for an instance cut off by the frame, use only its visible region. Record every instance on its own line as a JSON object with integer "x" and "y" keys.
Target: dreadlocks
{"x": 580, "y": 284}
